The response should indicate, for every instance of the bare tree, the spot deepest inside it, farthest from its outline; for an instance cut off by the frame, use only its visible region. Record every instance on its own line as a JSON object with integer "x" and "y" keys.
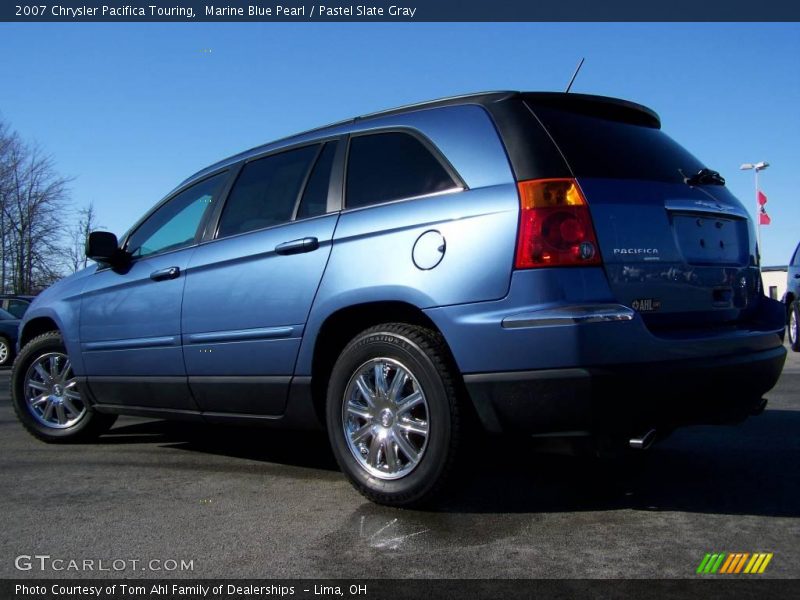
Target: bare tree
{"x": 32, "y": 209}
{"x": 10, "y": 153}
{"x": 76, "y": 251}
{"x": 35, "y": 235}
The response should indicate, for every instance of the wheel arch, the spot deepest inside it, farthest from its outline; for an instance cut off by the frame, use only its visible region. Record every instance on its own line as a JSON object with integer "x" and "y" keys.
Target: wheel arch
{"x": 36, "y": 327}
{"x": 343, "y": 325}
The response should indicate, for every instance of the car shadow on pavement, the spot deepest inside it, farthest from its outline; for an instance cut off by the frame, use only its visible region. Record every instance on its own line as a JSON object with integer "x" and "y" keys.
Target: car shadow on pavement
{"x": 749, "y": 469}
{"x": 300, "y": 449}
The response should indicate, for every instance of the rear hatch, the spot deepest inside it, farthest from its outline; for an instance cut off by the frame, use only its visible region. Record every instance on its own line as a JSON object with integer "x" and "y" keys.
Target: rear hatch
{"x": 682, "y": 254}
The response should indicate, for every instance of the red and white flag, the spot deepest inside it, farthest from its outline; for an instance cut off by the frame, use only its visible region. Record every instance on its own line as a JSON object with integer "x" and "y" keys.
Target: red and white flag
{"x": 763, "y": 217}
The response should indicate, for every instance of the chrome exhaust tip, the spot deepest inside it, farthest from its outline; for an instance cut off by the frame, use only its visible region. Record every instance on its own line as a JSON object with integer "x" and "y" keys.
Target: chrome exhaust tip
{"x": 643, "y": 442}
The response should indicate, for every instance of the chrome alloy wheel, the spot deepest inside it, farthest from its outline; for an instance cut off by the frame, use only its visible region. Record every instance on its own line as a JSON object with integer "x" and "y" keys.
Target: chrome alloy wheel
{"x": 4, "y": 352}
{"x": 385, "y": 418}
{"x": 793, "y": 327}
{"x": 51, "y": 391}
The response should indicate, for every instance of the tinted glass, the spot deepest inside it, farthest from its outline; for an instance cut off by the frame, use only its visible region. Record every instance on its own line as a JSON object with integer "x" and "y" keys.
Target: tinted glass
{"x": 17, "y": 307}
{"x": 796, "y": 259}
{"x": 175, "y": 224}
{"x": 315, "y": 196}
{"x": 389, "y": 166}
{"x": 266, "y": 191}
{"x": 600, "y": 147}
{"x": 6, "y": 316}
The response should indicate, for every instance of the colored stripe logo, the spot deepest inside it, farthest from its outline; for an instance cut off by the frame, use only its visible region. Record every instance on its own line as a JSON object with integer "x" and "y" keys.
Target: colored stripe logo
{"x": 731, "y": 563}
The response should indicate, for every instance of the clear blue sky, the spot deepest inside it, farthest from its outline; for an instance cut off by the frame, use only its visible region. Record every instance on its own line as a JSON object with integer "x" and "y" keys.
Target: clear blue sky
{"x": 130, "y": 110}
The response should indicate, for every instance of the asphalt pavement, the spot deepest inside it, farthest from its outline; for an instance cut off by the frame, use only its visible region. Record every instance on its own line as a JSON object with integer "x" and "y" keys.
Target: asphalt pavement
{"x": 266, "y": 504}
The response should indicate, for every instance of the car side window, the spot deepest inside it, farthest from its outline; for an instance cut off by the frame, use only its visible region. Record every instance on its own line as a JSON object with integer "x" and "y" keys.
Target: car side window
{"x": 174, "y": 225}
{"x": 315, "y": 196}
{"x": 17, "y": 307}
{"x": 266, "y": 191}
{"x": 796, "y": 259}
{"x": 389, "y": 166}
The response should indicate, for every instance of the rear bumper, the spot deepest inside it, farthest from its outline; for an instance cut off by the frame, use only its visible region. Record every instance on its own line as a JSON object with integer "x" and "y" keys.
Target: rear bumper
{"x": 562, "y": 318}
{"x": 626, "y": 399}
{"x": 558, "y": 353}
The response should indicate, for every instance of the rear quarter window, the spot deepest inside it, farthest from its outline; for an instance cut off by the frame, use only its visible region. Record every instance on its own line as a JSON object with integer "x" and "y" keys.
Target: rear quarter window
{"x": 389, "y": 166}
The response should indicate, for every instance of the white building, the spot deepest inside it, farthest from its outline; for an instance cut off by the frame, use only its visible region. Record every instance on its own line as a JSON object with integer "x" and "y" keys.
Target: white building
{"x": 774, "y": 279}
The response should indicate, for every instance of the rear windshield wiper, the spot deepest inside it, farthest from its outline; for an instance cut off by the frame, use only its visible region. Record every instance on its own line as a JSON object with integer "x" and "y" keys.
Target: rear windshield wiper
{"x": 704, "y": 177}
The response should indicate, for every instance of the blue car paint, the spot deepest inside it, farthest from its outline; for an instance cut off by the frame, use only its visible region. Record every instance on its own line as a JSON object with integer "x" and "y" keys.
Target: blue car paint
{"x": 241, "y": 314}
{"x": 239, "y": 284}
{"x": 140, "y": 315}
{"x": 560, "y": 346}
{"x": 672, "y": 219}
{"x": 793, "y": 278}
{"x": 476, "y": 263}
{"x": 60, "y": 305}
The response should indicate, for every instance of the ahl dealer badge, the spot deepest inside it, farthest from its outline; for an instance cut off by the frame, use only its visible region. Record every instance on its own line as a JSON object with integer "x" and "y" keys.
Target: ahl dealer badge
{"x": 646, "y": 304}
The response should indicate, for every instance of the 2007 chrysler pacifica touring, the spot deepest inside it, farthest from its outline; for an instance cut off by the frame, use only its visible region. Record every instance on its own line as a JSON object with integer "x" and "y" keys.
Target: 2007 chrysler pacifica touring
{"x": 530, "y": 262}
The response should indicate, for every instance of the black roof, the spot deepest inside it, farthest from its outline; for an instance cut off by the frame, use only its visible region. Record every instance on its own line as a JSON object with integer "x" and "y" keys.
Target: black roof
{"x": 597, "y": 105}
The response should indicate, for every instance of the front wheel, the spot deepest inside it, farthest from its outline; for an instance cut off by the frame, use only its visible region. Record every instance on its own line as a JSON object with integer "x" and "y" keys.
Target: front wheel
{"x": 45, "y": 394}
{"x": 794, "y": 321}
{"x": 393, "y": 414}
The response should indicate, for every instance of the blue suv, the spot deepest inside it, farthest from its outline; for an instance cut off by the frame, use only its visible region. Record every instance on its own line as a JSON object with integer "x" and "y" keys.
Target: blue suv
{"x": 533, "y": 263}
{"x": 792, "y": 300}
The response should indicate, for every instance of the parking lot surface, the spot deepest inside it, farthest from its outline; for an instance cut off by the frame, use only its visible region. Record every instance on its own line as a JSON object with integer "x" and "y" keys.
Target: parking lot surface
{"x": 267, "y": 504}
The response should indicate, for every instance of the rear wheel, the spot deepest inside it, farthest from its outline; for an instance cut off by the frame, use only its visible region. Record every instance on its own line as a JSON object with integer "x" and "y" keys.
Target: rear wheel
{"x": 393, "y": 414}
{"x": 45, "y": 394}
{"x": 794, "y": 322}
{"x": 6, "y": 351}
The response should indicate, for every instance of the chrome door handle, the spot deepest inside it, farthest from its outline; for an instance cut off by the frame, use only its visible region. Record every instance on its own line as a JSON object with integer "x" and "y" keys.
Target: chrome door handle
{"x": 164, "y": 274}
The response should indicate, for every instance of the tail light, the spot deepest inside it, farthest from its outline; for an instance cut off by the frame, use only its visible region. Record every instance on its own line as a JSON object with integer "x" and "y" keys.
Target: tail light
{"x": 555, "y": 227}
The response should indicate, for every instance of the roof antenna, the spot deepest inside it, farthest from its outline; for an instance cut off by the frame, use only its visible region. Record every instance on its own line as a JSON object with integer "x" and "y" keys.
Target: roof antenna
{"x": 574, "y": 75}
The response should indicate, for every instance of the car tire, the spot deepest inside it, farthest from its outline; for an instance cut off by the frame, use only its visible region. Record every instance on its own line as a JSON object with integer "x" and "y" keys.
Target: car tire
{"x": 6, "y": 351}
{"x": 46, "y": 398}
{"x": 794, "y": 323}
{"x": 393, "y": 414}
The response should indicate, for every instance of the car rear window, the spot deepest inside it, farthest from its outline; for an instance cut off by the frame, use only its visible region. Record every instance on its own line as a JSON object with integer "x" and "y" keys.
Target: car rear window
{"x": 595, "y": 146}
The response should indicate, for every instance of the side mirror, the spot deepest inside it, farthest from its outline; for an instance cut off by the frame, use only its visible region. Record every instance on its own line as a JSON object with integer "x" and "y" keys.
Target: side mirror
{"x": 102, "y": 246}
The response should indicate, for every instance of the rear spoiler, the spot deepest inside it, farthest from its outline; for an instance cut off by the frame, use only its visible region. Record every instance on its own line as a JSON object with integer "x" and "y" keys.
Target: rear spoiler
{"x": 596, "y": 106}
